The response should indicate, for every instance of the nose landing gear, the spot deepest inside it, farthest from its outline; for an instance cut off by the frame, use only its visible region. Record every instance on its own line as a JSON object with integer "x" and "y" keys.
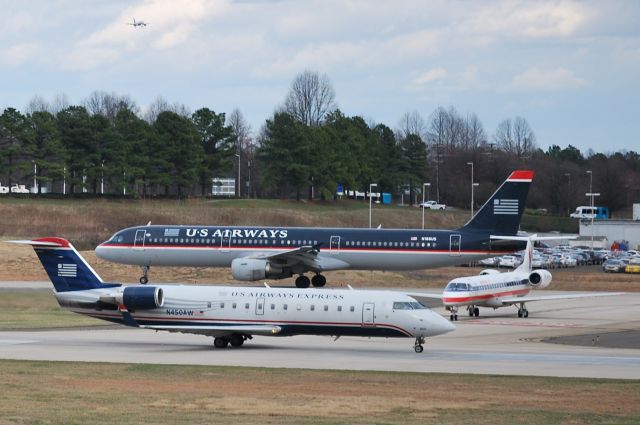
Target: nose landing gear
{"x": 454, "y": 313}
{"x": 144, "y": 278}
{"x": 417, "y": 347}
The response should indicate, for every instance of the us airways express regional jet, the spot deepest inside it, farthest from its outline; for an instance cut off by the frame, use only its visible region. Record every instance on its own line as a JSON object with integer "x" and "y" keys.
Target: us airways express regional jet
{"x": 256, "y": 253}
{"x": 233, "y": 314}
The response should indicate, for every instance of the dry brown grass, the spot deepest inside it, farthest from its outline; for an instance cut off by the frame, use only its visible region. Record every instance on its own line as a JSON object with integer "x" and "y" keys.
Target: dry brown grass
{"x": 35, "y": 392}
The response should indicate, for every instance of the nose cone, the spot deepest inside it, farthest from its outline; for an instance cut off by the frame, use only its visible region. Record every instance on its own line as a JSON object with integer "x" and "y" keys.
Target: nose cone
{"x": 439, "y": 325}
{"x": 102, "y": 251}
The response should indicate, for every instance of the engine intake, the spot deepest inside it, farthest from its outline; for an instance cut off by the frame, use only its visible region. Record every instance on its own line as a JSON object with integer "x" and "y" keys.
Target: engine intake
{"x": 539, "y": 279}
{"x": 250, "y": 269}
{"x": 488, "y": 271}
{"x": 142, "y": 297}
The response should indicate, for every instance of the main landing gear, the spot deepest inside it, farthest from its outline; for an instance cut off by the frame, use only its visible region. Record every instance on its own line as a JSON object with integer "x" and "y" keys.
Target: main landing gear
{"x": 317, "y": 281}
{"x": 473, "y": 311}
{"x": 236, "y": 340}
{"x": 522, "y": 311}
{"x": 144, "y": 278}
{"x": 417, "y": 347}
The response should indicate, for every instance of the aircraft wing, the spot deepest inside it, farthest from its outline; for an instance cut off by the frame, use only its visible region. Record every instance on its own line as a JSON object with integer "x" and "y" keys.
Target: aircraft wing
{"x": 516, "y": 300}
{"x": 306, "y": 255}
{"x": 212, "y": 330}
{"x": 424, "y": 295}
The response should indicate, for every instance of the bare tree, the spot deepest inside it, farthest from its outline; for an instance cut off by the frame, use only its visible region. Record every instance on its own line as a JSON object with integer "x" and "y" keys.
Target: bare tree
{"x": 37, "y": 104}
{"x": 59, "y": 103}
{"x": 474, "y": 134}
{"x": 412, "y": 123}
{"x": 241, "y": 129}
{"x": 310, "y": 98}
{"x": 108, "y": 104}
{"x": 515, "y": 137}
{"x": 160, "y": 104}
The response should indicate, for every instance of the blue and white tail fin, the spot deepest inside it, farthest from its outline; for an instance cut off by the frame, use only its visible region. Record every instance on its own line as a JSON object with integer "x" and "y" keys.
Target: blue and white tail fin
{"x": 66, "y": 268}
{"x": 502, "y": 213}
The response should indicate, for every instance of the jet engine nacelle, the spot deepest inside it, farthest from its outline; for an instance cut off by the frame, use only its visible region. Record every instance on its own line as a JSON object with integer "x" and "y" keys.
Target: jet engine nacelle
{"x": 539, "y": 279}
{"x": 488, "y": 271}
{"x": 250, "y": 269}
{"x": 142, "y": 297}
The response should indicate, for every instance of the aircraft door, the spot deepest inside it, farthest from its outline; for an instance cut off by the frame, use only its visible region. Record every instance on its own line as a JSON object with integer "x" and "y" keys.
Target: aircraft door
{"x": 454, "y": 245}
{"x": 260, "y": 306}
{"x": 138, "y": 240}
{"x": 334, "y": 244}
{"x": 225, "y": 241}
{"x": 368, "y": 317}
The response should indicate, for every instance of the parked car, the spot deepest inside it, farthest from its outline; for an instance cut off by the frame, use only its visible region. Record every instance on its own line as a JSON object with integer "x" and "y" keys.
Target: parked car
{"x": 614, "y": 265}
{"x": 510, "y": 261}
{"x": 490, "y": 262}
{"x": 568, "y": 261}
{"x": 433, "y": 205}
{"x": 539, "y": 262}
{"x": 19, "y": 188}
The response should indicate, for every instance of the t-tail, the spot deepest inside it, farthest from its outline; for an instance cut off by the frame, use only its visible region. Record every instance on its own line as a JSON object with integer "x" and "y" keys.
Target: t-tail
{"x": 502, "y": 213}
{"x": 67, "y": 270}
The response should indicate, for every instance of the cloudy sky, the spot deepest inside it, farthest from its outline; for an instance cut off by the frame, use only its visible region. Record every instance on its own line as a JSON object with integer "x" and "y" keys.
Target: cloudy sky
{"x": 572, "y": 69}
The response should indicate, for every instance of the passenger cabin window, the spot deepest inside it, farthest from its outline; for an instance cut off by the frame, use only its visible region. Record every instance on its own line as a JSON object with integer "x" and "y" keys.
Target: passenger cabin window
{"x": 246, "y": 306}
{"x": 313, "y": 307}
{"x": 221, "y": 305}
{"x": 326, "y": 308}
{"x": 234, "y": 305}
{"x": 352, "y": 309}
{"x": 273, "y": 306}
{"x": 339, "y": 308}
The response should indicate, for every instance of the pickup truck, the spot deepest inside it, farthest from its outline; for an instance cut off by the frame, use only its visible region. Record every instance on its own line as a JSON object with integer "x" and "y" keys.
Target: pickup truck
{"x": 433, "y": 205}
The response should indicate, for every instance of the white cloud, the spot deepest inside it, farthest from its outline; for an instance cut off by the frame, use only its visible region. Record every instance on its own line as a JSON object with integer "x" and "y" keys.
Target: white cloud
{"x": 19, "y": 54}
{"x": 430, "y": 76}
{"x": 555, "y": 79}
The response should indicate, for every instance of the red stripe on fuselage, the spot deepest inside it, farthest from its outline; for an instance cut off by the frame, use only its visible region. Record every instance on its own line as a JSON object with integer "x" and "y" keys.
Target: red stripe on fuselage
{"x": 468, "y": 299}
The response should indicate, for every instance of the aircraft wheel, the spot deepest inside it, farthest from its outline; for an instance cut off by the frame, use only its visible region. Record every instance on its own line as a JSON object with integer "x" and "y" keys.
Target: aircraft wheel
{"x": 236, "y": 340}
{"x": 318, "y": 281}
{"x": 470, "y": 312}
{"x": 144, "y": 280}
{"x": 526, "y": 313}
{"x": 302, "y": 281}
{"x": 220, "y": 342}
{"x": 476, "y": 312}
{"x": 418, "y": 348}
{"x": 451, "y": 318}
{"x": 519, "y": 313}
{"x": 455, "y": 317}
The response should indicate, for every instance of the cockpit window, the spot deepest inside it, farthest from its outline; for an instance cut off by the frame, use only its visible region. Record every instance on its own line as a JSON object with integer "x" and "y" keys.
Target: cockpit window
{"x": 457, "y": 286}
{"x": 408, "y": 305}
{"x": 117, "y": 238}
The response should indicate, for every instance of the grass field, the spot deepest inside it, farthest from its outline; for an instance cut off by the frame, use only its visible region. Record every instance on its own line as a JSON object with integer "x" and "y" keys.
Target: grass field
{"x": 70, "y": 393}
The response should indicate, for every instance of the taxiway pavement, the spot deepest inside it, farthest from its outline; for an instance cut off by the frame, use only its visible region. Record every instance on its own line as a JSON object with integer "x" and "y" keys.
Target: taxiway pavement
{"x": 498, "y": 342}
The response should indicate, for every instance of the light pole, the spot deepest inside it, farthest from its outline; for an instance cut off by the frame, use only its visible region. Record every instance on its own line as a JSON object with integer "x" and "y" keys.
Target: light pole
{"x": 239, "y": 188}
{"x": 569, "y": 175}
{"x": 371, "y": 186}
{"x": 423, "y": 186}
{"x": 472, "y": 185}
{"x": 592, "y": 195}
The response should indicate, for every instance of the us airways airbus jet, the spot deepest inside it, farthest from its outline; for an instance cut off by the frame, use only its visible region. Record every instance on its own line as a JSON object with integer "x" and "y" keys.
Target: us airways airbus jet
{"x": 256, "y": 253}
{"x": 234, "y": 314}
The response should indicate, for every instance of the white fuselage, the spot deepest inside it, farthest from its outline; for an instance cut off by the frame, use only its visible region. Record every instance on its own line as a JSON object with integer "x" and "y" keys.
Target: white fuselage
{"x": 486, "y": 290}
{"x": 294, "y": 311}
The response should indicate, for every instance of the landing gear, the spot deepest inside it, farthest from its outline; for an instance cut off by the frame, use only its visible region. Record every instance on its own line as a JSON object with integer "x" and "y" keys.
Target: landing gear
{"x": 417, "y": 347}
{"x": 454, "y": 314}
{"x": 221, "y": 342}
{"x": 144, "y": 278}
{"x": 236, "y": 340}
{"x": 302, "y": 281}
{"x": 318, "y": 281}
{"x": 473, "y": 311}
{"x": 522, "y": 311}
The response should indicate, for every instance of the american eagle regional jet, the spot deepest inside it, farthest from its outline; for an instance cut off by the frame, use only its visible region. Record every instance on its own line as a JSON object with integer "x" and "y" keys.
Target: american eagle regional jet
{"x": 234, "y": 314}
{"x": 495, "y": 290}
{"x": 256, "y": 253}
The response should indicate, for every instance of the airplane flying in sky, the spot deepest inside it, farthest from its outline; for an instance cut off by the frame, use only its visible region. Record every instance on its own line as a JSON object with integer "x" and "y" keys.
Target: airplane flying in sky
{"x": 137, "y": 24}
{"x": 256, "y": 253}
{"x": 494, "y": 289}
{"x": 233, "y": 314}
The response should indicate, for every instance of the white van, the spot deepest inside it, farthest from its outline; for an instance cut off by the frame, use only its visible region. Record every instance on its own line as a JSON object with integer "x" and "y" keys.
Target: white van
{"x": 590, "y": 212}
